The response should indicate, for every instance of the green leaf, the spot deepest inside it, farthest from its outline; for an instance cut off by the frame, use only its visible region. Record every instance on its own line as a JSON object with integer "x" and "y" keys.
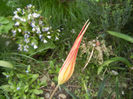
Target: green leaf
{"x": 34, "y": 77}
{"x": 114, "y": 59}
{"x": 5, "y": 87}
{"x": 117, "y": 89}
{"x": 70, "y": 93}
{"x": 3, "y": 20}
{"x": 5, "y": 28}
{"x": 122, "y": 36}
{"x": 6, "y": 64}
{"x": 37, "y": 92}
{"x": 101, "y": 88}
{"x": 5, "y": 25}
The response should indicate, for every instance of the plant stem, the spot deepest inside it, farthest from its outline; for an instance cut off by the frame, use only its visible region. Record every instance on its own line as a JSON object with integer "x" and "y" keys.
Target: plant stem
{"x": 89, "y": 59}
{"x": 54, "y": 92}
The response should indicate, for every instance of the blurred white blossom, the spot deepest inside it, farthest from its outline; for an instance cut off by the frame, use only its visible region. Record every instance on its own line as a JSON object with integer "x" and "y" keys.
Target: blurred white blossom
{"x": 29, "y": 6}
{"x": 35, "y": 46}
{"x": 49, "y": 37}
{"x": 45, "y": 29}
{"x": 18, "y": 9}
{"x": 17, "y": 24}
{"x": 35, "y": 15}
{"x": 45, "y": 41}
{"x": 19, "y": 30}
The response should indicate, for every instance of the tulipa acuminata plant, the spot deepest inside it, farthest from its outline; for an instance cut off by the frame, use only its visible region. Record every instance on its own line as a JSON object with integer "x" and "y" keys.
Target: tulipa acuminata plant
{"x": 67, "y": 68}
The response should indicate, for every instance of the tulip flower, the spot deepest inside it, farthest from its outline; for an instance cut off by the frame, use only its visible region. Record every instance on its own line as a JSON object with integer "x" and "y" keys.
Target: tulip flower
{"x": 67, "y": 68}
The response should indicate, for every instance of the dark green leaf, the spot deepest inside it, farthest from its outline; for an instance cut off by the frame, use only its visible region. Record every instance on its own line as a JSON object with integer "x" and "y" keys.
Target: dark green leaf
{"x": 115, "y": 59}
{"x": 120, "y": 35}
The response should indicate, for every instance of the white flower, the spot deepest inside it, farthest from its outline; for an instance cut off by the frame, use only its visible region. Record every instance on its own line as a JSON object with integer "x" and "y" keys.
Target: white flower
{"x": 29, "y": 16}
{"x": 23, "y": 20}
{"x": 48, "y": 32}
{"x": 49, "y": 37}
{"x": 29, "y": 6}
{"x": 15, "y": 17}
{"x": 26, "y": 48}
{"x": 26, "y": 36}
{"x": 33, "y": 24}
{"x": 38, "y": 30}
{"x": 27, "y": 40}
{"x": 33, "y": 29}
{"x": 40, "y": 36}
{"x": 20, "y": 47}
{"x": 18, "y": 9}
{"x": 32, "y": 43}
{"x": 28, "y": 32}
{"x": 45, "y": 41}
{"x": 17, "y": 24}
{"x": 15, "y": 12}
{"x": 35, "y": 15}
{"x": 14, "y": 32}
{"x": 45, "y": 29}
{"x": 56, "y": 38}
{"x": 7, "y": 76}
{"x": 35, "y": 46}
{"x": 19, "y": 30}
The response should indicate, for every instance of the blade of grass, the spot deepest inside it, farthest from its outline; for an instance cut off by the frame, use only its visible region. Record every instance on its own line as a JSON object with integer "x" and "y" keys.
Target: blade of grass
{"x": 70, "y": 93}
{"x": 87, "y": 92}
{"x": 122, "y": 36}
{"x": 117, "y": 89}
{"x": 25, "y": 56}
{"x": 114, "y": 59}
{"x": 6, "y": 64}
{"x": 101, "y": 88}
{"x": 109, "y": 97}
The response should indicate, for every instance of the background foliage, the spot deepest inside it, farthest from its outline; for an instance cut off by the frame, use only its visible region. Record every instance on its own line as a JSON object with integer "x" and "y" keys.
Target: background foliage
{"x": 109, "y": 72}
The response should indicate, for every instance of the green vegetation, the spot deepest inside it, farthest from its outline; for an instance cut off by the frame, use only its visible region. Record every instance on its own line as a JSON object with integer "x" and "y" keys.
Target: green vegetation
{"x": 37, "y": 35}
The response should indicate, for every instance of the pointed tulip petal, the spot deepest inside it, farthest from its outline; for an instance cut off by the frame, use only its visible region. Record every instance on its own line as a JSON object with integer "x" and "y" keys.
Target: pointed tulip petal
{"x": 67, "y": 69}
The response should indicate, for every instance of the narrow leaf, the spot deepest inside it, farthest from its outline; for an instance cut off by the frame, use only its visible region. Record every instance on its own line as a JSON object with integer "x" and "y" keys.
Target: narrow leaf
{"x": 101, "y": 88}
{"x": 70, "y": 93}
{"x": 6, "y": 64}
{"x": 114, "y": 59}
{"x": 122, "y": 36}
